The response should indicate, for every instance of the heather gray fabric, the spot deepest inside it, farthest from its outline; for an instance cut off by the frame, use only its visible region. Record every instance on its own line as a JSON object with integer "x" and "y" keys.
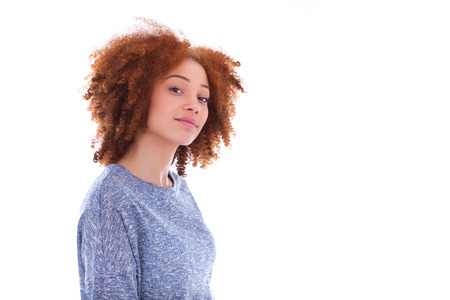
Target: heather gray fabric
{"x": 137, "y": 240}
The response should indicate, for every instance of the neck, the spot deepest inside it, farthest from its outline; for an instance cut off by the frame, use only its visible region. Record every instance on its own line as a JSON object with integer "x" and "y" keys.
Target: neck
{"x": 149, "y": 158}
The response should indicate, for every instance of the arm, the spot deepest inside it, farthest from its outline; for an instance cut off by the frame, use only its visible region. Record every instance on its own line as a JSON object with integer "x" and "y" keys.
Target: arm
{"x": 106, "y": 263}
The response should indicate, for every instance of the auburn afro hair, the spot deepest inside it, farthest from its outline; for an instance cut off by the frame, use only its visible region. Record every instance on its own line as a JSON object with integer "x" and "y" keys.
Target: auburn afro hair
{"x": 123, "y": 75}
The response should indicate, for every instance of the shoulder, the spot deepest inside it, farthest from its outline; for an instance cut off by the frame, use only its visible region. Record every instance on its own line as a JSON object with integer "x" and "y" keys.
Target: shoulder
{"x": 104, "y": 188}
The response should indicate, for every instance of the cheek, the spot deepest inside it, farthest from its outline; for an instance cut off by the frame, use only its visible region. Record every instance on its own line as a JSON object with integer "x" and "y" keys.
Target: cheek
{"x": 156, "y": 116}
{"x": 160, "y": 106}
{"x": 204, "y": 116}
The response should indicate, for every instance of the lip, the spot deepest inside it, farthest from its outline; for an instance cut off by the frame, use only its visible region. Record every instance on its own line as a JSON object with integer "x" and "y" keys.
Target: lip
{"x": 188, "y": 122}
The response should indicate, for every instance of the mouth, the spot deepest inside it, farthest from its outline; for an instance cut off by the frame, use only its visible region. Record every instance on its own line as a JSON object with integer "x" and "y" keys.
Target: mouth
{"x": 187, "y": 122}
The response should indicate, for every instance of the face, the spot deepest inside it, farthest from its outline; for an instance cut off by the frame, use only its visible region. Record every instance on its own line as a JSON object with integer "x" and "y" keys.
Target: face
{"x": 179, "y": 104}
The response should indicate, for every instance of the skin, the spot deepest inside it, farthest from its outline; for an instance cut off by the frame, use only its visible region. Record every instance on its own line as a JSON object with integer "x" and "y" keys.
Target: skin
{"x": 183, "y": 92}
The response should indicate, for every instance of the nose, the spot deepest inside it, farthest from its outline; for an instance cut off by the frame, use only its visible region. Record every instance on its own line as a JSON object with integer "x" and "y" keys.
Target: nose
{"x": 193, "y": 105}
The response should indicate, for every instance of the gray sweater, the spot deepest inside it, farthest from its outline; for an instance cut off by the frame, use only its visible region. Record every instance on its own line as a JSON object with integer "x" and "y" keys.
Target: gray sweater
{"x": 137, "y": 240}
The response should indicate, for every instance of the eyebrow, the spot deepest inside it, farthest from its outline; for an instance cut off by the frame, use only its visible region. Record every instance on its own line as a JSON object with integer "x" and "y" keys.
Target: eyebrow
{"x": 187, "y": 79}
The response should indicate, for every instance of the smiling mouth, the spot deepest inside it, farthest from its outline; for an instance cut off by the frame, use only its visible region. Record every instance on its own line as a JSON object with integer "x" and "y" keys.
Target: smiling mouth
{"x": 187, "y": 122}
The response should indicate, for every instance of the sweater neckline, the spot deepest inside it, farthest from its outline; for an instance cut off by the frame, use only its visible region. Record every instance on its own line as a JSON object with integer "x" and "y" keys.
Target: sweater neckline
{"x": 172, "y": 176}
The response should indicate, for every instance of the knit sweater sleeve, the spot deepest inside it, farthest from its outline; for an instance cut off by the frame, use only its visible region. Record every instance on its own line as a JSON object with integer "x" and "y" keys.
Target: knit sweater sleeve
{"x": 106, "y": 263}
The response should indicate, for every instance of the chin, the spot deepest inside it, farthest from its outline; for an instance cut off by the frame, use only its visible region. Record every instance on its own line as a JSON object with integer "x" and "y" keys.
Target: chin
{"x": 183, "y": 138}
{"x": 185, "y": 141}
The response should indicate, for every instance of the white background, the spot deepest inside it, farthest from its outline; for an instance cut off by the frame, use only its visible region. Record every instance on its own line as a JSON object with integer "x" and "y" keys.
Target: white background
{"x": 337, "y": 185}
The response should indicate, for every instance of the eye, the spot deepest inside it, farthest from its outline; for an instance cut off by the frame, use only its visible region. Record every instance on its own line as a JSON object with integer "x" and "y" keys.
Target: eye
{"x": 203, "y": 99}
{"x": 175, "y": 90}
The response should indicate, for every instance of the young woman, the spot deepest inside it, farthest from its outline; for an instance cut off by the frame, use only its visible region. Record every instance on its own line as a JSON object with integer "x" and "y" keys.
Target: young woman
{"x": 157, "y": 101}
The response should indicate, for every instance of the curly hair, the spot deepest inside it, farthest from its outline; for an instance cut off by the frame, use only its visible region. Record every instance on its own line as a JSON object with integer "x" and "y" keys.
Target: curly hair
{"x": 123, "y": 75}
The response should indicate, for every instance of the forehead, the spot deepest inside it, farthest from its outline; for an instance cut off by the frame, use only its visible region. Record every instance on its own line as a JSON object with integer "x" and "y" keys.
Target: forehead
{"x": 191, "y": 70}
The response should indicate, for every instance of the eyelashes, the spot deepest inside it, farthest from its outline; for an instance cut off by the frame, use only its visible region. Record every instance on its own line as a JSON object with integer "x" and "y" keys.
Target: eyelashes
{"x": 175, "y": 90}
{"x": 203, "y": 99}
{"x": 178, "y": 91}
